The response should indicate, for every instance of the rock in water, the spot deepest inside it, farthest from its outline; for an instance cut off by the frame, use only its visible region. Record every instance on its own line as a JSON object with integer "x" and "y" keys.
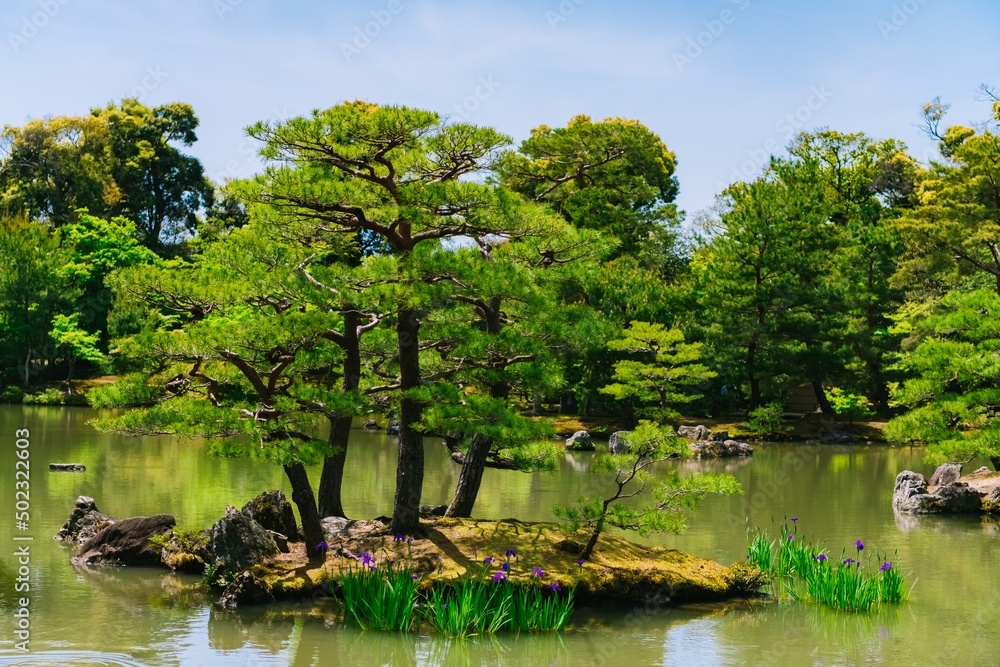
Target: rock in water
{"x": 580, "y": 441}
{"x": 393, "y": 427}
{"x": 126, "y": 542}
{"x": 273, "y": 511}
{"x": 618, "y": 443}
{"x": 237, "y": 542}
{"x": 910, "y": 496}
{"x": 245, "y": 589}
{"x": 719, "y": 436}
{"x": 370, "y": 425}
{"x": 67, "y": 467}
{"x": 713, "y": 449}
{"x": 694, "y": 433}
{"x": 84, "y": 523}
{"x": 946, "y": 474}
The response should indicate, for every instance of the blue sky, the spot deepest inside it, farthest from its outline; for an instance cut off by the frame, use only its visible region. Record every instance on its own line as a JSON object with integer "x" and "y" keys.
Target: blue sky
{"x": 724, "y": 83}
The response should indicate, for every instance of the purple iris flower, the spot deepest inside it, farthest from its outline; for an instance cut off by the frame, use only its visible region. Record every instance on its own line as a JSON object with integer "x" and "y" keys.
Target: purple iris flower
{"x": 499, "y": 576}
{"x": 537, "y": 571}
{"x": 366, "y": 558}
{"x": 848, "y": 561}
{"x": 554, "y": 587}
{"x": 820, "y": 557}
{"x": 580, "y": 562}
{"x": 789, "y": 537}
{"x": 511, "y": 553}
{"x": 794, "y": 519}
{"x": 488, "y": 560}
{"x": 323, "y": 546}
{"x": 505, "y": 567}
{"x": 398, "y": 537}
{"x": 885, "y": 567}
{"x": 859, "y": 545}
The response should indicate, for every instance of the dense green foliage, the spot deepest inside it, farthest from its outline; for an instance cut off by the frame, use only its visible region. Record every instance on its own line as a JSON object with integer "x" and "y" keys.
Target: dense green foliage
{"x": 386, "y": 260}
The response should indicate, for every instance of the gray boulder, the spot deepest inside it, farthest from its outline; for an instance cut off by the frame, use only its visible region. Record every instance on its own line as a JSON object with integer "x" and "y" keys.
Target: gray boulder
{"x": 618, "y": 444}
{"x": 719, "y": 436}
{"x": 126, "y": 542}
{"x": 946, "y": 474}
{"x": 370, "y": 425}
{"x": 580, "y": 441}
{"x": 245, "y": 589}
{"x": 237, "y": 542}
{"x": 427, "y": 511}
{"x": 392, "y": 428}
{"x": 335, "y": 528}
{"x": 981, "y": 470}
{"x": 273, "y": 511}
{"x": 693, "y": 433}
{"x": 910, "y": 496}
{"x": 713, "y": 449}
{"x": 84, "y": 523}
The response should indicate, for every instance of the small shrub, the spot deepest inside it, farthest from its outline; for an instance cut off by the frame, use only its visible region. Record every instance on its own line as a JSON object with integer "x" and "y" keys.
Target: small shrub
{"x": 852, "y": 407}
{"x": 50, "y": 396}
{"x": 766, "y": 421}
{"x": 11, "y": 394}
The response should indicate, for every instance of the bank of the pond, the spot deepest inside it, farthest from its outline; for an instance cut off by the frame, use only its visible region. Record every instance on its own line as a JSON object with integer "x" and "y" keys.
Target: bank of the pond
{"x": 619, "y": 571}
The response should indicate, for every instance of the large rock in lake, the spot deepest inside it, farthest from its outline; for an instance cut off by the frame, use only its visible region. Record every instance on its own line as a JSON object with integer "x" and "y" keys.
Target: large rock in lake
{"x": 126, "y": 542}
{"x": 694, "y": 433}
{"x": 713, "y": 449}
{"x": 946, "y": 474}
{"x": 618, "y": 443}
{"x": 580, "y": 442}
{"x": 910, "y": 496}
{"x": 84, "y": 523}
{"x": 237, "y": 542}
{"x": 273, "y": 511}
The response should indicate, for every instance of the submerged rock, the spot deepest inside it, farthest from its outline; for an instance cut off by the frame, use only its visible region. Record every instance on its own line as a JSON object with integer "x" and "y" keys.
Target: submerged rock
{"x": 618, "y": 444}
{"x": 580, "y": 442}
{"x": 245, "y": 589}
{"x": 237, "y": 542}
{"x": 946, "y": 474}
{"x": 84, "y": 523}
{"x": 272, "y": 510}
{"x": 126, "y": 542}
{"x": 910, "y": 496}
{"x": 370, "y": 425}
{"x": 393, "y": 427}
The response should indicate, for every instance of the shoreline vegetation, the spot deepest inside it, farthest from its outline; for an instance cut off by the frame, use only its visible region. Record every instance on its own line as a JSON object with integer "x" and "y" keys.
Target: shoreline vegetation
{"x": 797, "y": 427}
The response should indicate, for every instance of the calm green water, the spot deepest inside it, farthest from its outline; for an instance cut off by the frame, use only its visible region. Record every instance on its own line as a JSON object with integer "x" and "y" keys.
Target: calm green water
{"x": 149, "y": 617}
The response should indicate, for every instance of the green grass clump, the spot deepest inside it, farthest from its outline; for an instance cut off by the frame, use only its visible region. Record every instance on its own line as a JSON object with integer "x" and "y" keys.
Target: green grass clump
{"x": 380, "y": 598}
{"x": 803, "y": 570}
{"x": 485, "y": 603}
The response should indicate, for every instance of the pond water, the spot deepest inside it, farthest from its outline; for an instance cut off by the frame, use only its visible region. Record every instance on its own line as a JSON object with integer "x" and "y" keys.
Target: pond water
{"x": 149, "y": 617}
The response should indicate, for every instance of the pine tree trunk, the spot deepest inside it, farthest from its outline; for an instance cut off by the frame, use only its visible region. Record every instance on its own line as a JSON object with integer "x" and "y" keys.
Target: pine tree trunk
{"x": 470, "y": 478}
{"x": 302, "y": 496}
{"x": 332, "y": 480}
{"x": 410, "y": 466}
{"x": 824, "y": 402}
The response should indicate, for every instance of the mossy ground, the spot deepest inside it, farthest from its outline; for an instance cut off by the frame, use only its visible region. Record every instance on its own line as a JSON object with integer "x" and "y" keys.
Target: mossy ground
{"x": 618, "y": 571}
